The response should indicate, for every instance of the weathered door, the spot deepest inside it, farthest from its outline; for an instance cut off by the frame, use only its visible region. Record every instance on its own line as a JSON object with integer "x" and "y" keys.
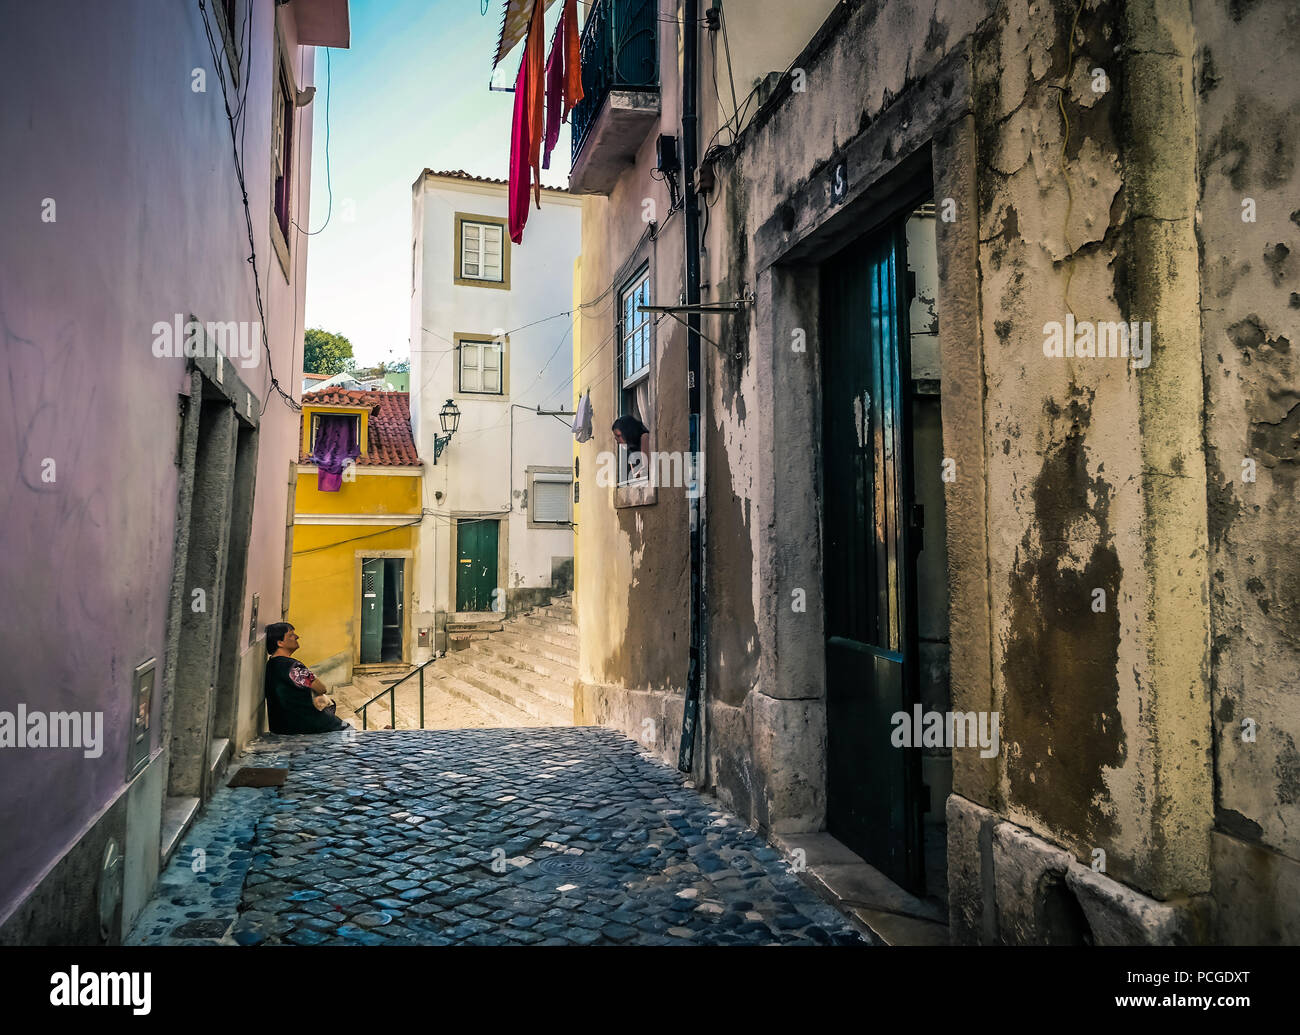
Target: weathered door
{"x": 872, "y": 786}
{"x": 476, "y": 564}
{"x": 372, "y": 610}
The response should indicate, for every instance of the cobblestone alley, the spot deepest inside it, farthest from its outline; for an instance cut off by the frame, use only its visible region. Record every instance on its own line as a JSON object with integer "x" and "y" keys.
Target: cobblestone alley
{"x": 480, "y": 837}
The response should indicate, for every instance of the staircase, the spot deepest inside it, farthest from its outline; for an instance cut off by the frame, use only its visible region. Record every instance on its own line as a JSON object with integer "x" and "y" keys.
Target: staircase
{"x": 521, "y": 672}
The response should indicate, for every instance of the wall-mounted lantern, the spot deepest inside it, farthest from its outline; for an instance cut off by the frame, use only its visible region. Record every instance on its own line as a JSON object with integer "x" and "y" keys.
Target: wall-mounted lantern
{"x": 449, "y": 417}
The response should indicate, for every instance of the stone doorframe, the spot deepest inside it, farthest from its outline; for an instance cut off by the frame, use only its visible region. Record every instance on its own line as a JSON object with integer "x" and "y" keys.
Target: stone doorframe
{"x": 926, "y": 138}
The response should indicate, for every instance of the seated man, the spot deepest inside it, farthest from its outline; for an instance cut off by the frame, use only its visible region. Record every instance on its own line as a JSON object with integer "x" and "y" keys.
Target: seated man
{"x": 292, "y": 691}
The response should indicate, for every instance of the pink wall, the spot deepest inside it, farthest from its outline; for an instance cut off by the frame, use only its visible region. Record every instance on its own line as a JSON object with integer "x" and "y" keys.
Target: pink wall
{"x": 99, "y": 114}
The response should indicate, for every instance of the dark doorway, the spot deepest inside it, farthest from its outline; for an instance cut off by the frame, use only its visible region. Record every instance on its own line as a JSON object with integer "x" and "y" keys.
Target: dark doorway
{"x": 476, "y": 564}
{"x": 382, "y": 599}
{"x": 874, "y": 530}
{"x": 394, "y": 570}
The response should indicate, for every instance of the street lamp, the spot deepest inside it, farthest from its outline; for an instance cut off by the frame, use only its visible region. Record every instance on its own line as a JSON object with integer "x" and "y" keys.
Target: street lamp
{"x": 449, "y": 418}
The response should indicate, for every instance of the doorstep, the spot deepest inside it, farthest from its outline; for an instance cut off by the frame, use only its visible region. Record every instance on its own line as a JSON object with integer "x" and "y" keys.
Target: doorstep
{"x": 894, "y": 915}
{"x": 178, "y": 814}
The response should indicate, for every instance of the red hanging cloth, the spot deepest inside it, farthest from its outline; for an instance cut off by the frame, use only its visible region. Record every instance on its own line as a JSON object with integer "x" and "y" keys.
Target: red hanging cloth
{"x": 527, "y": 130}
{"x": 554, "y": 92}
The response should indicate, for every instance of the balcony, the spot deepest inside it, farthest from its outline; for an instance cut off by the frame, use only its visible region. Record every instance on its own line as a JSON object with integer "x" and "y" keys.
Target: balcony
{"x": 620, "y": 86}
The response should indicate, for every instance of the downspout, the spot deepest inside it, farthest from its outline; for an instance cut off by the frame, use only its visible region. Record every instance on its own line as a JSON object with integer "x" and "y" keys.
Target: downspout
{"x": 694, "y": 378}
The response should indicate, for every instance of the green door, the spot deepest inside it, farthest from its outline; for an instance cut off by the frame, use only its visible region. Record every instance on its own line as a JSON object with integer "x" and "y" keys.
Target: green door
{"x": 372, "y": 610}
{"x": 476, "y": 564}
{"x": 873, "y": 787}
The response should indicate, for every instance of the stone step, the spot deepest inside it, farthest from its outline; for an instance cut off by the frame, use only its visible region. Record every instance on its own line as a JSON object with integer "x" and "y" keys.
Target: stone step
{"x": 530, "y": 670}
{"x": 455, "y": 627}
{"x": 557, "y": 692}
{"x": 534, "y": 648}
{"x": 514, "y": 697}
{"x": 548, "y": 628}
{"x": 490, "y": 703}
{"x": 526, "y": 691}
{"x": 564, "y": 611}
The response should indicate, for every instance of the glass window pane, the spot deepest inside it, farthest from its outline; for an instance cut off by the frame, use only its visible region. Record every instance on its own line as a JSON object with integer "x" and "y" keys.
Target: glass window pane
{"x": 491, "y": 380}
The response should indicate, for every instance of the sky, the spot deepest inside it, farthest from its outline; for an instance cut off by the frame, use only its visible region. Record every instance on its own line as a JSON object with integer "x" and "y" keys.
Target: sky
{"x": 410, "y": 93}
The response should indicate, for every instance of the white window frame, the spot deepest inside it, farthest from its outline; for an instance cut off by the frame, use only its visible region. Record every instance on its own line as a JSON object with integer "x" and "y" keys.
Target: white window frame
{"x": 638, "y": 284}
{"x": 478, "y": 347}
{"x": 474, "y": 240}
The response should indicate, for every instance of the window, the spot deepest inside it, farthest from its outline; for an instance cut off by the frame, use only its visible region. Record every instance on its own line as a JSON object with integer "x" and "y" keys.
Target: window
{"x": 548, "y": 502}
{"x": 481, "y": 365}
{"x": 282, "y": 152}
{"x": 231, "y": 34}
{"x": 482, "y": 256}
{"x": 634, "y": 365}
{"x": 317, "y": 418}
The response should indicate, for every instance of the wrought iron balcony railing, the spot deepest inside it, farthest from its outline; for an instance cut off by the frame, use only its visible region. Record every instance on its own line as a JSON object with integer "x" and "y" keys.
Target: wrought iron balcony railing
{"x": 620, "y": 51}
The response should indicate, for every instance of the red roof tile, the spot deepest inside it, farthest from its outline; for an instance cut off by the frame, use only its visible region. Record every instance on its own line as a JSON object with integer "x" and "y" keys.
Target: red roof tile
{"x": 461, "y": 174}
{"x": 391, "y": 442}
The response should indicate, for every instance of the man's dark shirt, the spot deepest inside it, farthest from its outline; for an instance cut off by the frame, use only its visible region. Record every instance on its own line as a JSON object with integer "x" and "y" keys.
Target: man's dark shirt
{"x": 289, "y": 707}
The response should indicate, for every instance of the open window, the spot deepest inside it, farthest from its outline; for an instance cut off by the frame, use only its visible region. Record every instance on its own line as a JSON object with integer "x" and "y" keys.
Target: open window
{"x": 633, "y": 360}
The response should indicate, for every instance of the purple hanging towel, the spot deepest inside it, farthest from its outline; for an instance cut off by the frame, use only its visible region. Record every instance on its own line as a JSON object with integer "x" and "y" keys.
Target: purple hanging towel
{"x": 336, "y": 447}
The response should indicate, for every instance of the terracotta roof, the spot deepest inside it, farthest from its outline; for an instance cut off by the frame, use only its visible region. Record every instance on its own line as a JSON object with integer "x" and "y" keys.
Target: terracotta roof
{"x": 390, "y": 440}
{"x": 461, "y": 174}
{"x": 317, "y": 377}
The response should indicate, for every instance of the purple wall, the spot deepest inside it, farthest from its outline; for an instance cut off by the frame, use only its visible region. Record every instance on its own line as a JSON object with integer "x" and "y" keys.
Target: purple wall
{"x": 100, "y": 113}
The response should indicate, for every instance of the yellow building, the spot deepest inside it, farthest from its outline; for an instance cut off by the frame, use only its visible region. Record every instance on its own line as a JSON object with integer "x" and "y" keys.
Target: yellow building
{"x": 354, "y": 547}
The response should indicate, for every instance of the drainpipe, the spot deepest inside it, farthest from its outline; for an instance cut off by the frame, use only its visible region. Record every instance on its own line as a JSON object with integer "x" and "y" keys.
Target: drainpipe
{"x": 694, "y": 377}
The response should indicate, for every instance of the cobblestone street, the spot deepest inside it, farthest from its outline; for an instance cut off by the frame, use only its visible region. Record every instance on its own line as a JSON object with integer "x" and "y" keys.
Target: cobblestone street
{"x": 480, "y": 837}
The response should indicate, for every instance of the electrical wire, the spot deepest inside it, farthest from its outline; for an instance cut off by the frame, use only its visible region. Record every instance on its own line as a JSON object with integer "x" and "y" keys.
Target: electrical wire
{"x": 329, "y": 182}
{"x": 248, "y": 215}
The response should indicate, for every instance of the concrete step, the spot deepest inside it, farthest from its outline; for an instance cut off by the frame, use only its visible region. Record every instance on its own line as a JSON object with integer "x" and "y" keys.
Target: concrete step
{"x": 503, "y": 712}
{"x": 528, "y": 692}
{"x": 219, "y": 755}
{"x": 557, "y": 610}
{"x": 556, "y": 692}
{"x": 562, "y": 633}
{"x": 503, "y": 699}
{"x": 534, "y": 648}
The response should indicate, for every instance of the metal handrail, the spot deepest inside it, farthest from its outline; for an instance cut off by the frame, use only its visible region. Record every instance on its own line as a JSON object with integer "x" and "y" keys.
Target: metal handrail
{"x": 391, "y": 691}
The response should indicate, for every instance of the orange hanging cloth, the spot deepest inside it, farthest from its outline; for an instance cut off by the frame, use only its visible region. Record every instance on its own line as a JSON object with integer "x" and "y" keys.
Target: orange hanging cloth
{"x": 572, "y": 57}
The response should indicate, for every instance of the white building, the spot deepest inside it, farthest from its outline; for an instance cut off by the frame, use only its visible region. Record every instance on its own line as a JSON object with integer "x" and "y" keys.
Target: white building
{"x": 489, "y": 332}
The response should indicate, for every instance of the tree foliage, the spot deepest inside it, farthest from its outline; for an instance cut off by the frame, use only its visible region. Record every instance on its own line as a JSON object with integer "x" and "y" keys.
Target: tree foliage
{"x": 326, "y": 353}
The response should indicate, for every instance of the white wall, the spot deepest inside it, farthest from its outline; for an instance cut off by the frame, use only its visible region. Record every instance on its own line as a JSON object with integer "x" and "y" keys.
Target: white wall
{"x": 483, "y": 470}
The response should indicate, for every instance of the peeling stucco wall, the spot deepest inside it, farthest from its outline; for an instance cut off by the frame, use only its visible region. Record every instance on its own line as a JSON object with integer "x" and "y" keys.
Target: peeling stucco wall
{"x": 1248, "y": 125}
{"x": 1097, "y": 154}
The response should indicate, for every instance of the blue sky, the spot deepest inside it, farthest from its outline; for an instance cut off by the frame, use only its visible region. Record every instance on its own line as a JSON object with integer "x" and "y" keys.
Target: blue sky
{"x": 411, "y": 92}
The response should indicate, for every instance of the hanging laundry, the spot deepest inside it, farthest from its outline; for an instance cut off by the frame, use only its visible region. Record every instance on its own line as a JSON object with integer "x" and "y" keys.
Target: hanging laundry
{"x": 554, "y": 92}
{"x": 572, "y": 56}
{"x": 563, "y": 76}
{"x": 336, "y": 447}
{"x": 582, "y": 419}
{"x": 527, "y": 129}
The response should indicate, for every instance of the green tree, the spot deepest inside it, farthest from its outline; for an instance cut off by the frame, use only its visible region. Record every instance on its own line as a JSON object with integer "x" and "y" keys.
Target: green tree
{"x": 326, "y": 353}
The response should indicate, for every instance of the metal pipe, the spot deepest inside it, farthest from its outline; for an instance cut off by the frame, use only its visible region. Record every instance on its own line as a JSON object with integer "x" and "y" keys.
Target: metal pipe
{"x": 695, "y": 374}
